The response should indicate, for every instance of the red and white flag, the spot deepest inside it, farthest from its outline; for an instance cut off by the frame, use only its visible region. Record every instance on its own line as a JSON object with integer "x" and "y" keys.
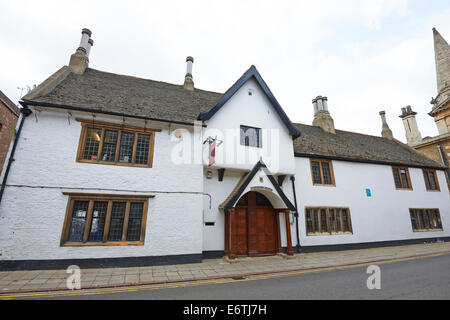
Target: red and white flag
{"x": 212, "y": 153}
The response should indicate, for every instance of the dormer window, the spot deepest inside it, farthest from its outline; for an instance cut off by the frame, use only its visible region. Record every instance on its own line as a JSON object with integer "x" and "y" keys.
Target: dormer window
{"x": 251, "y": 137}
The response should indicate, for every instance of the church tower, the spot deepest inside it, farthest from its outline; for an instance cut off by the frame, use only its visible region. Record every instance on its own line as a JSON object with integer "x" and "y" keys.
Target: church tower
{"x": 441, "y": 104}
{"x": 438, "y": 147}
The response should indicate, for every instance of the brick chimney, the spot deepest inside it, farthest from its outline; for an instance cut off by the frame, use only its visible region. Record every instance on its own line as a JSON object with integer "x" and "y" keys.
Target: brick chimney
{"x": 386, "y": 132}
{"x": 322, "y": 116}
{"x": 413, "y": 135}
{"x": 188, "y": 80}
{"x": 79, "y": 61}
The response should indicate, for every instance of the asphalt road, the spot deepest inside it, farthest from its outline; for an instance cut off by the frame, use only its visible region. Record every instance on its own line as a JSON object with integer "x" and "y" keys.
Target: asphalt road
{"x": 416, "y": 279}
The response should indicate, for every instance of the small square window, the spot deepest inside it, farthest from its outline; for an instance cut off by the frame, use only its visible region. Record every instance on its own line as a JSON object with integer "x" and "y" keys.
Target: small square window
{"x": 251, "y": 137}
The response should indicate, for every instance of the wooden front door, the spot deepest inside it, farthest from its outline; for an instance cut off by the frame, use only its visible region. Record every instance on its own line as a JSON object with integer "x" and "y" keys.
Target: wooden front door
{"x": 265, "y": 230}
{"x": 254, "y": 229}
{"x": 239, "y": 232}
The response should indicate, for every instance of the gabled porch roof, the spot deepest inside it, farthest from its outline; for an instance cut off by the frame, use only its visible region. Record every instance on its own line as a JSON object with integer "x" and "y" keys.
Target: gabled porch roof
{"x": 243, "y": 183}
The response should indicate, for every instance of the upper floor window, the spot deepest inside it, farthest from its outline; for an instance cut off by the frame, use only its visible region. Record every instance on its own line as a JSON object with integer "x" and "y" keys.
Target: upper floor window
{"x": 401, "y": 178}
{"x": 322, "y": 172}
{"x": 105, "y": 220}
{"x": 106, "y": 143}
{"x": 251, "y": 137}
{"x": 431, "y": 181}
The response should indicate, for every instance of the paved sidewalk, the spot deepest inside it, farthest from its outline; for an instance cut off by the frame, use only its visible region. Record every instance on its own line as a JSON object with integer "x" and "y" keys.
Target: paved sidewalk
{"x": 49, "y": 280}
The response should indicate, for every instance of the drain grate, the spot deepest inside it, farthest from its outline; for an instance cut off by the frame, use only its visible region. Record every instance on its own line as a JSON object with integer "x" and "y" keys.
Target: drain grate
{"x": 238, "y": 278}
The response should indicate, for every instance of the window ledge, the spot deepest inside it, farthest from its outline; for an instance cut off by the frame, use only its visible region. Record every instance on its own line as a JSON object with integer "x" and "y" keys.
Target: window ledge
{"x": 329, "y": 234}
{"x": 103, "y": 244}
{"x": 429, "y": 230}
{"x": 120, "y": 164}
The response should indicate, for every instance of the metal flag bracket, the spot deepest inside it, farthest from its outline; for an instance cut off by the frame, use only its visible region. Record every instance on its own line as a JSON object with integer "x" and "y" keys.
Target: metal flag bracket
{"x": 211, "y": 140}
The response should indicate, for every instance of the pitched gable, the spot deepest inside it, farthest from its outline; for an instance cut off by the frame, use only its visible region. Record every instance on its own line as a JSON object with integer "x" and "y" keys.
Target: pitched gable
{"x": 252, "y": 73}
{"x": 245, "y": 181}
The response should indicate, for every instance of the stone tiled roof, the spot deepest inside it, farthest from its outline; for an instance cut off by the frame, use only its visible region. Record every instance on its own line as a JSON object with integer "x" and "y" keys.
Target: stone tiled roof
{"x": 356, "y": 146}
{"x": 102, "y": 91}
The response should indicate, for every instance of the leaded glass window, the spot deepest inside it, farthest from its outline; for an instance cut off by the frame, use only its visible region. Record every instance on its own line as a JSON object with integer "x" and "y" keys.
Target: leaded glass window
{"x": 425, "y": 219}
{"x": 78, "y": 221}
{"x": 322, "y": 172}
{"x": 117, "y": 219}
{"x": 105, "y": 220}
{"x": 317, "y": 178}
{"x": 113, "y": 144}
{"x": 401, "y": 178}
{"x": 326, "y": 173}
{"x": 126, "y": 147}
{"x": 431, "y": 181}
{"x": 327, "y": 221}
{"x": 134, "y": 221}
{"x": 109, "y": 146}
{"x": 92, "y": 143}
{"x": 142, "y": 147}
{"x": 98, "y": 221}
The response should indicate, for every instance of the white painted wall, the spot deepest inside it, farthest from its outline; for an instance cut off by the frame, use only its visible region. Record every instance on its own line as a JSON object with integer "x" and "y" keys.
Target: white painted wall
{"x": 31, "y": 220}
{"x": 255, "y": 111}
{"x": 384, "y": 216}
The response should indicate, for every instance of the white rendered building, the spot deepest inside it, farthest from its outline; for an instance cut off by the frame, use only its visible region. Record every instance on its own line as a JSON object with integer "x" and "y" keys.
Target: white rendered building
{"x": 113, "y": 170}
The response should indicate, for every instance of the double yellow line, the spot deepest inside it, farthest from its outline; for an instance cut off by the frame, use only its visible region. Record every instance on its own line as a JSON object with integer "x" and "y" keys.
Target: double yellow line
{"x": 86, "y": 292}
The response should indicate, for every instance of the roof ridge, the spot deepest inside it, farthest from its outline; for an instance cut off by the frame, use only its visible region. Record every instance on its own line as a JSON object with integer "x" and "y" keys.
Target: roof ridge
{"x": 151, "y": 80}
{"x": 346, "y": 131}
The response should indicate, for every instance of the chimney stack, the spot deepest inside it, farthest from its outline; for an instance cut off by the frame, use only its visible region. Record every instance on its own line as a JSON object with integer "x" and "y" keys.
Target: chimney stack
{"x": 413, "y": 135}
{"x": 79, "y": 61}
{"x": 322, "y": 116}
{"x": 386, "y": 131}
{"x": 188, "y": 80}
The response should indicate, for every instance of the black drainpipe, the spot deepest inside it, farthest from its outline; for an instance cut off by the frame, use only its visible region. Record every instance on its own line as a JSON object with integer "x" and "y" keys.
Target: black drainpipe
{"x": 25, "y": 112}
{"x": 297, "y": 247}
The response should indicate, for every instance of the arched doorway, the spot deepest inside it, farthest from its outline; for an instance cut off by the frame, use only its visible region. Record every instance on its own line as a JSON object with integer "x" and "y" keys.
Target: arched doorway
{"x": 254, "y": 227}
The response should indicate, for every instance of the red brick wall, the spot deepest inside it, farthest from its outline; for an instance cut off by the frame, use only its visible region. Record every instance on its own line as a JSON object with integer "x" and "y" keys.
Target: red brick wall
{"x": 8, "y": 122}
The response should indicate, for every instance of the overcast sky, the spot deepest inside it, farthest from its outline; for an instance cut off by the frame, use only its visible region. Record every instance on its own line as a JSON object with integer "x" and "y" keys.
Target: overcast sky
{"x": 365, "y": 56}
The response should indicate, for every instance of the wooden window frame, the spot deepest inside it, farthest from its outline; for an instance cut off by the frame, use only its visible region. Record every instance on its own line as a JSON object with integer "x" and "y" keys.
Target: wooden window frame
{"x": 408, "y": 177}
{"x": 86, "y": 124}
{"x": 103, "y": 198}
{"x": 328, "y": 233}
{"x": 425, "y": 176}
{"x": 330, "y": 164}
{"x": 419, "y": 222}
